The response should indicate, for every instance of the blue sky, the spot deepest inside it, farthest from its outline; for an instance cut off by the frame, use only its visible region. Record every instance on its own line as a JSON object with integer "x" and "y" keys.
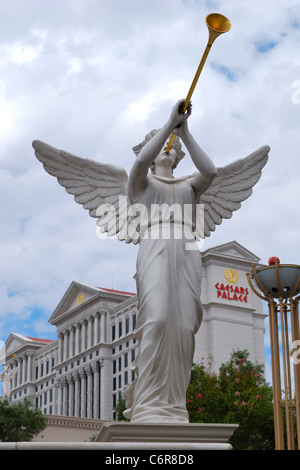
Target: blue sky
{"x": 93, "y": 77}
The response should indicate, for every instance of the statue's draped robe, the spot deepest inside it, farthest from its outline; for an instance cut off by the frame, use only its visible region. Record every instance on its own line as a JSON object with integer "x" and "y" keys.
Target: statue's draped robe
{"x": 168, "y": 281}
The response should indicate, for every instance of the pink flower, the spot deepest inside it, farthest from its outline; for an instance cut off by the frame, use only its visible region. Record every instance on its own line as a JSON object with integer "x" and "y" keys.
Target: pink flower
{"x": 237, "y": 393}
{"x": 244, "y": 403}
{"x": 258, "y": 397}
{"x": 199, "y": 395}
{"x": 199, "y": 409}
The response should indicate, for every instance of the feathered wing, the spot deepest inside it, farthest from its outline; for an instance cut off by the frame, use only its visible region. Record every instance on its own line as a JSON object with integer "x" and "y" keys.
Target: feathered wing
{"x": 232, "y": 185}
{"x": 100, "y": 188}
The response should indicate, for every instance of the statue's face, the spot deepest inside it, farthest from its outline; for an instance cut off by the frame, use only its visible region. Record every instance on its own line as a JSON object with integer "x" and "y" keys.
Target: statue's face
{"x": 164, "y": 158}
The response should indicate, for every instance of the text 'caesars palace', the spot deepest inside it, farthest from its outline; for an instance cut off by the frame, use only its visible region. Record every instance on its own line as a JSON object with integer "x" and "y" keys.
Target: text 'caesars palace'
{"x": 84, "y": 372}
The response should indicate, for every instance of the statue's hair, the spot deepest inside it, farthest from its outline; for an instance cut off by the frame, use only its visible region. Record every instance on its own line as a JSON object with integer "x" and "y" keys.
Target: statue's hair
{"x": 177, "y": 146}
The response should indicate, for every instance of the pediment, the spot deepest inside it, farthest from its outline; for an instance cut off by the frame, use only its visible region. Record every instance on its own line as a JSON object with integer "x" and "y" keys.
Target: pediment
{"x": 13, "y": 343}
{"x": 76, "y": 294}
{"x": 232, "y": 250}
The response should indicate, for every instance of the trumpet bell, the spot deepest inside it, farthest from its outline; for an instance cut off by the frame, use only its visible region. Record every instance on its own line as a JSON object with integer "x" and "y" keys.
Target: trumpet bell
{"x": 217, "y": 24}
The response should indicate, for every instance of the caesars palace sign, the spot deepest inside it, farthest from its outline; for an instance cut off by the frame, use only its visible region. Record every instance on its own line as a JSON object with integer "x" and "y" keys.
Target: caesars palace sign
{"x": 230, "y": 290}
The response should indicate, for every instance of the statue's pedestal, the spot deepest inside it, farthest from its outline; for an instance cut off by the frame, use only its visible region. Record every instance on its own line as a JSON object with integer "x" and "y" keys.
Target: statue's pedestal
{"x": 188, "y": 436}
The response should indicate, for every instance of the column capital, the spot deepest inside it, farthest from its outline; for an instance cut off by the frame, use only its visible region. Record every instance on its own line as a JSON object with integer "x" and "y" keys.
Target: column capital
{"x": 88, "y": 370}
{"x": 95, "y": 367}
{"x": 76, "y": 376}
{"x": 69, "y": 379}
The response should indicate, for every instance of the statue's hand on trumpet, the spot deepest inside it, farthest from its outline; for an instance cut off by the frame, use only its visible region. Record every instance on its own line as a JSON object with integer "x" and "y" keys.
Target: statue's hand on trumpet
{"x": 178, "y": 117}
{"x": 181, "y": 129}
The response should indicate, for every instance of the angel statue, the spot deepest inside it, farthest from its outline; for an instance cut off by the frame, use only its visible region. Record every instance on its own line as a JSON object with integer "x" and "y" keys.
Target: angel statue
{"x": 168, "y": 271}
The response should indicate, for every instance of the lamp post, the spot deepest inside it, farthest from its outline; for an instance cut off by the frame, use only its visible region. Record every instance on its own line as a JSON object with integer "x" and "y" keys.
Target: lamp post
{"x": 279, "y": 285}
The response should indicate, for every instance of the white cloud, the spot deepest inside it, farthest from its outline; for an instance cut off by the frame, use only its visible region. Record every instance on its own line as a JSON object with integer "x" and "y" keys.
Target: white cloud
{"x": 93, "y": 77}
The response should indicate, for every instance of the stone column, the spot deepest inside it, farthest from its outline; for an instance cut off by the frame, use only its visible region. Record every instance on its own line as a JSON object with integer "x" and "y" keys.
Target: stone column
{"x": 77, "y": 339}
{"x": 102, "y": 328}
{"x": 71, "y": 396}
{"x": 60, "y": 347}
{"x": 105, "y": 389}
{"x": 64, "y": 397}
{"x": 89, "y": 392}
{"x": 71, "y": 342}
{"x": 15, "y": 377}
{"x": 83, "y": 393}
{"x": 96, "y": 329}
{"x": 65, "y": 345}
{"x": 58, "y": 404}
{"x": 19, "y": 372}
{"x": 83, "y": 336}
{"x": 96, "y": 391}
{"x": 76, "y": 379}
{"x": 24, "y": 369}
{"x": 29, "y": 368}
{"x": 90, "y": 333}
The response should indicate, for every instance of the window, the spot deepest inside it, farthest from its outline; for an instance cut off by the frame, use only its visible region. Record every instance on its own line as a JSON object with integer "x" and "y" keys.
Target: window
{"x": 132, "y": 355}
{"x": 126, "y": 377}
{"x": 127, "y": 325}
{"x": 134, "y": 321}
{"x": 113, "y": 332}
{"x": 126, "y": 360}
{"x": 120, "y": 329}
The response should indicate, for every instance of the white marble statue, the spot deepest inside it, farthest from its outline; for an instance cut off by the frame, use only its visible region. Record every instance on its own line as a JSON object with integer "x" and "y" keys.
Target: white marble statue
{"x": 168, "y": 271}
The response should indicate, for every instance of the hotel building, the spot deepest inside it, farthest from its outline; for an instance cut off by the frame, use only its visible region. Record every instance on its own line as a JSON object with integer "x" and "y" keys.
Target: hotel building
{"x": 83, "y": 372}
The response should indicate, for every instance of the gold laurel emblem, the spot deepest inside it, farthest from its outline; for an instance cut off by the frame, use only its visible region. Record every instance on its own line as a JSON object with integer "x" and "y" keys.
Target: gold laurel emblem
{"x": 231, "y": 275}
{"x": 80, "y": 299}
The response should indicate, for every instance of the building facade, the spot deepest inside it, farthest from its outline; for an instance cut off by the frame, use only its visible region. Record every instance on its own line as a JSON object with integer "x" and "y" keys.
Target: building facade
{"x": 84, "y": 371}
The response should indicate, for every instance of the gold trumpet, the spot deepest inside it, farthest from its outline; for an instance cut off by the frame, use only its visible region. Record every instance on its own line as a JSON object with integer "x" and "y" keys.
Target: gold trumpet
{"x": 217, "y": 24}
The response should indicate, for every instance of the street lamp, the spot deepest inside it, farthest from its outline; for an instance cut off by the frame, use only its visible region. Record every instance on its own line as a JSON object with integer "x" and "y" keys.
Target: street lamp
{"x": 279, "y": 285}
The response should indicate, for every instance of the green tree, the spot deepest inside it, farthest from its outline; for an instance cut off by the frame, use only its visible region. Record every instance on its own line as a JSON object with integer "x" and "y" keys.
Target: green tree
{"x": 238, "y": 394}
{"x": 20, "y": 421}
{"x": 120, "y": 407}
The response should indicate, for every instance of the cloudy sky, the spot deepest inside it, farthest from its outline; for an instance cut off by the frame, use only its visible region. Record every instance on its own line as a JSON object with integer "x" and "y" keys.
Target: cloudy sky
{"x": 93, "y": 77}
